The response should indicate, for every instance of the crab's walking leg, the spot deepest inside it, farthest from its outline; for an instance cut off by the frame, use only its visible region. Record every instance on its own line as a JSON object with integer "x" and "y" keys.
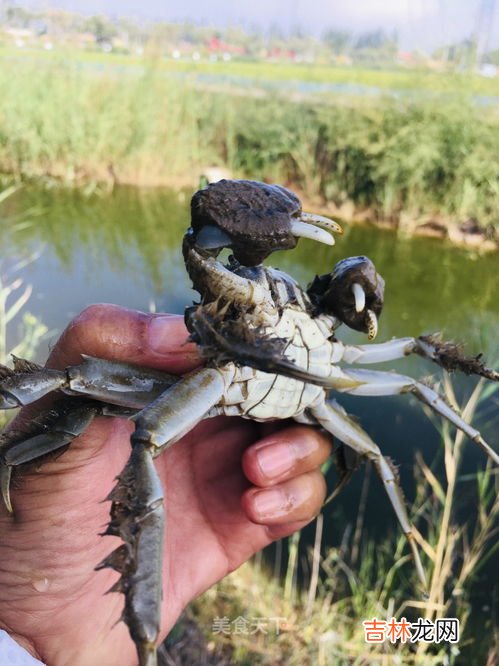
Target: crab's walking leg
{"x": 49, "y": 432}
{"x": 137, "y": 513}
{"x": 26, "y": 383}
{"x": 336, "y": 421}
{"x": 137, "y": 516}
{"x": 376, "y": 383}
{"x": 110, "y": 381}
{"x": 445, "y": 354}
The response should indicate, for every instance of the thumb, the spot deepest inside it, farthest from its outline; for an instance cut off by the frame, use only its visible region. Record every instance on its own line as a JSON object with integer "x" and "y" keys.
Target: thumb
{"x": 119, "y": 334}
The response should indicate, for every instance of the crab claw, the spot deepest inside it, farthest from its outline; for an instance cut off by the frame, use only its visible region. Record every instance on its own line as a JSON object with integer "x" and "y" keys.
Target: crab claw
{"x": 353, "y": 292}
{"x": 254, "y": 219}
{"x": 360, "y": 297}
{"x": 316, "y": 227}
{"x": 371, "y": 319}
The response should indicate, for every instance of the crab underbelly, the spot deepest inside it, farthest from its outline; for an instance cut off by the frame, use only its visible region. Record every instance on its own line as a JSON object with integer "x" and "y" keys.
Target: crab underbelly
{"x": 267, "y": 397}
{"x": 264, "y": 396}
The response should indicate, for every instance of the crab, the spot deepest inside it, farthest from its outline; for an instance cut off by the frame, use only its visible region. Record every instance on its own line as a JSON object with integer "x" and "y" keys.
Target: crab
{"x": 271, "y": 353}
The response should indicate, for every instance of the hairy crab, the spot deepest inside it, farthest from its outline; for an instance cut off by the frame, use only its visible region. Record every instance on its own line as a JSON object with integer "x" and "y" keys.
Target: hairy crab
{"x": 271, "y": 353}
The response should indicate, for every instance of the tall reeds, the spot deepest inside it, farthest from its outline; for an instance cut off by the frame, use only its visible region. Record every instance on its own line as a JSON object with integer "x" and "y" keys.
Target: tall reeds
{"x": 82, "y": 123}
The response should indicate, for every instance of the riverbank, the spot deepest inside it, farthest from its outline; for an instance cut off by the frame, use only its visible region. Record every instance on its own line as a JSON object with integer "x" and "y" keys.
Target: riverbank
{"x": 469, "y": 235}
{"x": 427, "y": 166}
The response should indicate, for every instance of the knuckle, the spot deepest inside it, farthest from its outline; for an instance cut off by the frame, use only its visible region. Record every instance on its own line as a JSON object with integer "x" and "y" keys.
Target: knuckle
{"x": 102, "y": 330}
{"x": 94, "y": 311}
{"x": 86, "y": 322}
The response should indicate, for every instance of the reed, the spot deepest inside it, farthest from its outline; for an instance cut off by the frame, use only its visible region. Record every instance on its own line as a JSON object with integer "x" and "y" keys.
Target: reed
{"x": 81, "y": 123}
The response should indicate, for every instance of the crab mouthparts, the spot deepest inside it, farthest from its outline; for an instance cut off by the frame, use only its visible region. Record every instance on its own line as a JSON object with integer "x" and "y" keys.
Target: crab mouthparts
{"x": 316, "y": 227}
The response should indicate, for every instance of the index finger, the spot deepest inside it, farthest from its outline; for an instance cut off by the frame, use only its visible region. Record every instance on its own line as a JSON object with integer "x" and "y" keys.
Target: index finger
{"x": 120, "y": 334}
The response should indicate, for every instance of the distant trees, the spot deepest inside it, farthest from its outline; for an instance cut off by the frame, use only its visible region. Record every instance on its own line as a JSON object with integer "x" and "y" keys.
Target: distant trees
{"x": 101, "y": 27}
{"x": 376, "y": 39}
{"x": 338, "y": 42}
{"x": 492, "y": 57}
{"x": 373, "y": 45}
{"x": 465, "y": 54}
{"x": 17, "y": 17}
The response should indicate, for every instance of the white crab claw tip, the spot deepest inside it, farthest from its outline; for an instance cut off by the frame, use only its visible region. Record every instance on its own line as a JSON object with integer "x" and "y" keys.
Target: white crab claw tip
{"x": 304, "y": 230}
{"x": 372, "y": 325}
{"x": 360, "y": 297}
{"x": 321, "y": 221}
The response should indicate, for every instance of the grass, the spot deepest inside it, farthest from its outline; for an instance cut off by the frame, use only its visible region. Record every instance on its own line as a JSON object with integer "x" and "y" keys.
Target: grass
{"x": 388, "y": 158}
{"x": 362, "y": 579}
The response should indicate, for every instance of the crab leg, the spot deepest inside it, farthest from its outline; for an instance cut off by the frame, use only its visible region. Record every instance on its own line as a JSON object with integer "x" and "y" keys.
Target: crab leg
{"x": 178, "y": 409}
{"x": 336, "y": 421}
{"x": 110, "y": 381}
{"x": 445, "y": 354}
{"x": 68, "y": 418}
{"x": 137, "y": 516}
{"x": 377, "y": 353}
{"x": 137, "y": 513}
{"x": 27, "y": 383}
{"x": 376, "y": 383}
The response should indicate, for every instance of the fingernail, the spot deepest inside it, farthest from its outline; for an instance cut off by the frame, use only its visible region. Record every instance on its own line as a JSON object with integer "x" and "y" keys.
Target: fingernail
{"x": 159, "y": 334}
{"x": 270, "y": 503}
{"x": 276, "y": 459}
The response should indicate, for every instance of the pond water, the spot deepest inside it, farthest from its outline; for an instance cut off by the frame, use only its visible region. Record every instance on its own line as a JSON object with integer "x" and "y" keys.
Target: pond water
{"x": 125, "y": 248}
{"x": 330, "y": 90}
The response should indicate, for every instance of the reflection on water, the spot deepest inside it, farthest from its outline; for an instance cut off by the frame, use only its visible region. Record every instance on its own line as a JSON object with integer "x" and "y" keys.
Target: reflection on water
{"x": 125, "y": 248}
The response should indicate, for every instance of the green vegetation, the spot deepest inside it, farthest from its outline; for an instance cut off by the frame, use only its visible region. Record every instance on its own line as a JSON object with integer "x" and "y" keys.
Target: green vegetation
{"x": 322, "y": 620}
{"x": 387, "y": 79}
{"x": 81, "y": 124}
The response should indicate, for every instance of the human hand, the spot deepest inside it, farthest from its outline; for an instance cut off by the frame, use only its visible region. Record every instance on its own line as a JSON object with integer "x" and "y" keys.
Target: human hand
{"x": 232, "y": 486}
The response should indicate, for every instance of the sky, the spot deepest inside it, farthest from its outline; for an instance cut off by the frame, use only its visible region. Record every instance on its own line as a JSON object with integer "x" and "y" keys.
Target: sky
{"x": 422, "y": 24}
